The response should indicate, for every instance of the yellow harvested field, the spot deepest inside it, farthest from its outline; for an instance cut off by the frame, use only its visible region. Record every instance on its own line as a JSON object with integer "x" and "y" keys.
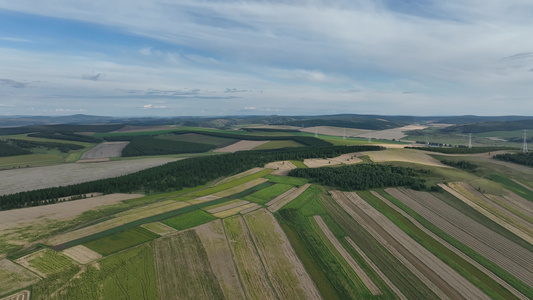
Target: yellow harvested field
{"x": 203, "y": 199}
{"x": 22, "y": 295}
{"x": 372, "y": 287}
{"x": 82, "y": 254}
{"x": 240, "y": 188}
{"x": 278, "y": 202}
{"x": 59, "y": 211}
{"x": 236, "y": 210}
{"x": 219, "y": 255}
{"x": 281, "y": 168}
{"x": 475, "y": 199}
{"x": 240, "y": 175}
{"x": 334, "y": 131}
{"x": 226, "y": 206}
{"x": 159, "y": 228}
{"x": 404, "y": 155}
{"x": 241, "y": 146}
{"x": 14, "y": 277}
{"x": 286, "y": 272}
{"x": 122, "y": 218}
{"x": 345, "y": 159}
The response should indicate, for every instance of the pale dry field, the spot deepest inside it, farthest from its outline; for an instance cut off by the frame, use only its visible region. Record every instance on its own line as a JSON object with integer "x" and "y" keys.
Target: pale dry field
{"x": 20, "y": 180}
{"x": 240, "y": 188}
{"x": 14, "y": 277}
{"x": 219, "y": 255}
{"x": 404, "y": 155}
{"x": 500, "y": 250}
{"x": 233, "y": 211}
{"x": 105, "y": 150}
{"x": 334, "y": 131}
{"x": 390, "y": 134}
{"x": 349, "y": 259}
{"x": 159, "y": 228}
{"x": 285, "y": 270}
{"x": 281, "y": 168}
{"x": 346, "y": 159}
{"x": 81, "y": 254}
{"x": 59, "y": 211}
{"x": 230, "y": 205}
{"x": 241, "y": 146}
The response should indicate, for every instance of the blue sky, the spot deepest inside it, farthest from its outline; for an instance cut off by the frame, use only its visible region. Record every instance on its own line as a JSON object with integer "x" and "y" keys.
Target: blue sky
{"x": 168, "y": 58}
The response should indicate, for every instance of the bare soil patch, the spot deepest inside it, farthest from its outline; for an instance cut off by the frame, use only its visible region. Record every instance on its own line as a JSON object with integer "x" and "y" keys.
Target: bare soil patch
{"x": 282, "y": 167}
{"x": 500, "y": 250}
{"x": 345, "y": 159}
{"x": 82, "y": 254}
{"x": 59, "y": 211}
{"x": 349, "y": 259}
{"x": 20, "y": 180}
{"x": 241, "y": 146}
{"x": 105, "y": 150}
{"x": 220, "y": 258}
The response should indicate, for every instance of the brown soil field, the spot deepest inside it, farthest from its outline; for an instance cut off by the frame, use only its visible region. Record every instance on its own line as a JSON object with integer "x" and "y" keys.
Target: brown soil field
{"x": 119, "y": 219}
{"x": 81, "y": 254}
{"x": 390, "y": 134}
{"x": 508, "y": 255}
{"x": 14, "y": 277}
{"x": 240, "y": 188}
{"x": 278, "y": 202}
{"x": 376, "y": 269}
{"x": 59, "y": 211}
{"x": 251, "y": 271}
{"x": 452, "y": 248}
{"x": 22, "y": 295}
{"x": 240, "y": 175}
{"x": 419, "y": 269}
{"x": 183, "y": 269}
{"x": 282, "y": 167}
{"x": 236, "y": 210}
{"x": 404, "y": 155}
{"x": 285, "y": 270}
{"x": 335, "y": 131}
{"x": 19, "y": 180}
{"x": 345, "y": 159}
{"x": 372, "y": 287}
{"x": 241, "y": 146}
{"x": 453, "y": 284}
{"x": 479, "y": 202}
{"x": 105, "y": 150}
{"x": 159, "y": 228}
{"x": 220, "y": 258}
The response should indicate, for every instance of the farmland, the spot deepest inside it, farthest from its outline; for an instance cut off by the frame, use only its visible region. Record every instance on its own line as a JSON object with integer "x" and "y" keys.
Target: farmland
{"x": 246, "y": 232}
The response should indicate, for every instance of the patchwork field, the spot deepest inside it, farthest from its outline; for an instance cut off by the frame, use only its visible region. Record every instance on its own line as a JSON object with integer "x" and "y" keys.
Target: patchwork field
{"x": 120, "y": 241}
{"x": 403, "y": 155}
{"x": 345, "y": 159}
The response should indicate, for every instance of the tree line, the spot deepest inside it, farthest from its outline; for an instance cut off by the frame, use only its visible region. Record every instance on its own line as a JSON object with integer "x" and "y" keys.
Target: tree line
{"x": 176, "y": 175}
{"x": 525, "y": 159}
{"x": 155, "y": 146}
{"x": 463, "y": 164}
{"x": 363, "y": 176}
{"x": 12, "y": 147}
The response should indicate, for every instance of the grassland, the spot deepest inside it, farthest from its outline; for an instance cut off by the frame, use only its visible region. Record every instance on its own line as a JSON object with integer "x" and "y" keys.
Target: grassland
{"x": 189, "y": 220}
{"x": 183, "y": 268}
{"x": 265, "y": 195}
{"x": 298, "y": 164}
{"x": 230, "y": 185}
{"x": 48, "y": 262}
{"x": 121, "y": 240}
{"x": 14, "y": 277}
{"x": 30, "y": 160}
{"x": 278, "y": 145}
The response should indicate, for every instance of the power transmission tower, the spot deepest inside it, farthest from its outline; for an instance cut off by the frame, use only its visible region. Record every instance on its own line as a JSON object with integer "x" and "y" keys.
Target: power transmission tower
{"x": 524, "y": 147}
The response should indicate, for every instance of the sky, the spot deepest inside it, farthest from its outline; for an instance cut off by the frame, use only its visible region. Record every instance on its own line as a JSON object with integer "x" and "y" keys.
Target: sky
{"x": 266, "y": 57}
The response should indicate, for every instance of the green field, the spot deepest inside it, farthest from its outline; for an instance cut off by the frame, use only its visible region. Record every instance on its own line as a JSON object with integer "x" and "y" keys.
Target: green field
{"x": 231, "y": 184}
{"x": 30, "y": 160}
{"x": 298, "y": 164}
{"x": 121, "y": 240}
{"x": 287, "y": 180}
{"x": 188, "y": 220}
{"x": 51, "y": 262}
{"x": 269, "y": 193}
{"x": 278, "y": 145}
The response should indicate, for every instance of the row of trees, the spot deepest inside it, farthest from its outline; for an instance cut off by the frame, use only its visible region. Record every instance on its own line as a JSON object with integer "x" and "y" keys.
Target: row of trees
{"x": 463, "y": 164}
{"x": 155, "y": 146}
{"x": 177, "y": 175}
{"x": 525, "y": 159}
{"x": 7, "y": 148}
{"x": 363, "y": 176}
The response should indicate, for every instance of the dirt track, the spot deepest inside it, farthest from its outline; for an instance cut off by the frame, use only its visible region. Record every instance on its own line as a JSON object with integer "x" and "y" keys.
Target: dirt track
{"x": 19, "y": 180}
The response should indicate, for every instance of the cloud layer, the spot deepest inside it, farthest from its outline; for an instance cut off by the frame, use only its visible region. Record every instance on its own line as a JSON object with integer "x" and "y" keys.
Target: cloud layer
{"x": 288, "y": 57}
